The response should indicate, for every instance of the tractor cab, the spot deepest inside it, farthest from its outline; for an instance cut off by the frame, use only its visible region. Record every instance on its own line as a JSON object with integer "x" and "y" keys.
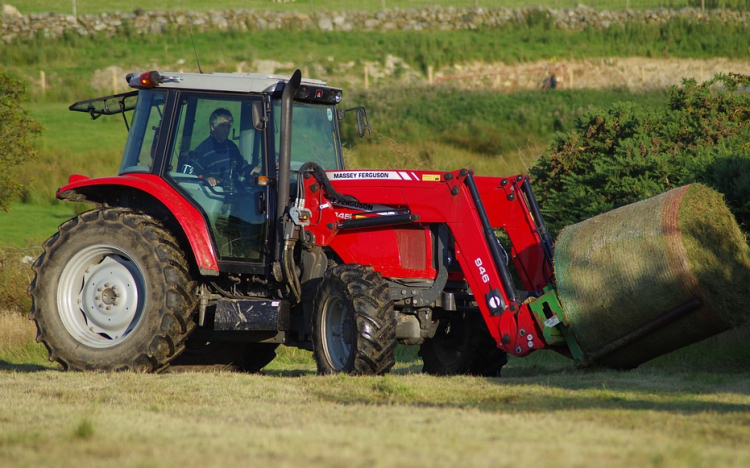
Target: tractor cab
{"x": 215, "y": 139}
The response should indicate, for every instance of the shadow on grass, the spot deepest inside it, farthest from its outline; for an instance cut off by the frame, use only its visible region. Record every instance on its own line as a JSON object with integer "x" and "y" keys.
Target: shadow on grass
{"x": 24, "y": 367}
{"x": 287, "y": 372}
{"x": 557, "y": 392}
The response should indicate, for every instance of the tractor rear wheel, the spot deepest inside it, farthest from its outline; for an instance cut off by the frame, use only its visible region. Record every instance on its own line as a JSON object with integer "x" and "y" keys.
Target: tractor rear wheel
{"x": 112, "y": 291}
{"x": 462, "y": 345}
{"x": 354, "y": 323}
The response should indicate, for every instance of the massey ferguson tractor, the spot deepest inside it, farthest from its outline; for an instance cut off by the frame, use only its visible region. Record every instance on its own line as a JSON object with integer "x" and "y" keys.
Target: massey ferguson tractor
{"x": 176, "y": 266}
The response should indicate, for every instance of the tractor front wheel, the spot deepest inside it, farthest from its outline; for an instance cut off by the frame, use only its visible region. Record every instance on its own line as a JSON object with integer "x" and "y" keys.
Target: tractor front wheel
{"x": 354, "y": 323}
{"x": 112, "y": 291}
{"x": 462, "y": 345}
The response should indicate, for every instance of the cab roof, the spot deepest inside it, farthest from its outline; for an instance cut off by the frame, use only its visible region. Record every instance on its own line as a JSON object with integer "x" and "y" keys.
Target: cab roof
{"x": 231, "y": 82}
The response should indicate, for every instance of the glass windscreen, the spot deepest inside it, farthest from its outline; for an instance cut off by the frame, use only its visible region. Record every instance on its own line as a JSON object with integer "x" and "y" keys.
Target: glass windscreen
{"x": 314, "y": 135}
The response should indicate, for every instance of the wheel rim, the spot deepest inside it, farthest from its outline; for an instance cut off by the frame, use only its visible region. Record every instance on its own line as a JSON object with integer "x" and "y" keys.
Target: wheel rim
{"x": 100, "y": 298}
{"x": 338, "y": 335}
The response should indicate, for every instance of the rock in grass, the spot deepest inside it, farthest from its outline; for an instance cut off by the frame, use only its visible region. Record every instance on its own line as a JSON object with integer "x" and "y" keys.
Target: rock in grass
{"x": 680, "y": 252}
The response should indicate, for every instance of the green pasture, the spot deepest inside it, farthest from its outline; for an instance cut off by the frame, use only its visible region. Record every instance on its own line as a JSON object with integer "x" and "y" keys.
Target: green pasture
{"x": 27, "y": 225}
{"x": 417, "y": 128}
{"x": 73, "y": 67}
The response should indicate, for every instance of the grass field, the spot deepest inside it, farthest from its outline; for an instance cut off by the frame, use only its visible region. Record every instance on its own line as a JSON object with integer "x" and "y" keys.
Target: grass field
{"x": 76, "y": 67}
{"x": 26, "y": 226}
{"x": 688, "y": 409}
{"x": 540, "y": 413}
{"x": 558, "y": 420}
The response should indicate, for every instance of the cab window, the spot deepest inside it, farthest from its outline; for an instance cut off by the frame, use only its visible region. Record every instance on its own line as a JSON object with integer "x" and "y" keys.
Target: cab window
{"x": 144, "y": 132}
{"x": 215, "y": 159}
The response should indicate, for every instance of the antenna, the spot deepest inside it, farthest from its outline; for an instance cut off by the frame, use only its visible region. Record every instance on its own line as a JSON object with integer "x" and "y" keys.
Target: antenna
{"x": 190, "y": 30}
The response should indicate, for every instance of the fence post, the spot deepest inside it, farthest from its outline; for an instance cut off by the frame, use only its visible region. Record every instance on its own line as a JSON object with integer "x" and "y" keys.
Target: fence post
{"x": 429, "y": 75}
{"x": 43, "y": 81}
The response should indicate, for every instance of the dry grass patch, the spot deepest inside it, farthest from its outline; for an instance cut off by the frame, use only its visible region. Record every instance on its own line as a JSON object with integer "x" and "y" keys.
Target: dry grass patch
{"x": 559, "y": 418}
{"x": 18, "y": 348}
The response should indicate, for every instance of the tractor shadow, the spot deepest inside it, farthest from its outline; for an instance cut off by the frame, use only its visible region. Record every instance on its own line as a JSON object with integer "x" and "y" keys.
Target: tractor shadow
{"x": 25, "y": 368}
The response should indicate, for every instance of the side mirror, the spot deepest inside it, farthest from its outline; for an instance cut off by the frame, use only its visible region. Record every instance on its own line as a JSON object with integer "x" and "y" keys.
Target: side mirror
{"x": 259, "y": 117}
{"x": 363, "y": 121}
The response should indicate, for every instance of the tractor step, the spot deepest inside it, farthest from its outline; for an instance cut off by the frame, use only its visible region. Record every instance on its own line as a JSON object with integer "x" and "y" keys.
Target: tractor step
{"x": 251, "y": 315}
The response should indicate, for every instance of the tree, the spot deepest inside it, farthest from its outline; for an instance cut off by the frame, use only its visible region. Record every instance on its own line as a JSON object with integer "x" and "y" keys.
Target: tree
{"x": 624, "y": 154}
{"x": 17, "y": 132}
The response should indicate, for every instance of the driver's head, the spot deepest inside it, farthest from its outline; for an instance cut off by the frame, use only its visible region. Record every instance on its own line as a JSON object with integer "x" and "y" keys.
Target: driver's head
{"x": 221, "y": 123}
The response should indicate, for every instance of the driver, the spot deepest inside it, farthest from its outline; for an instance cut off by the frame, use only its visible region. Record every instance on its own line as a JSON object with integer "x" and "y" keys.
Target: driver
{"x": 217, "y": 158}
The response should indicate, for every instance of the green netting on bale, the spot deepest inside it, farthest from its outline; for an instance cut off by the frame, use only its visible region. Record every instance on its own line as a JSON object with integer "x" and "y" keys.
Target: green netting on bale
{"x": 623, "y": 269}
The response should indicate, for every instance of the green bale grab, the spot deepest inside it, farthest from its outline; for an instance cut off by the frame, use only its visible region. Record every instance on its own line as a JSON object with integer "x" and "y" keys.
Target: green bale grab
{"x": 619, "y": 272}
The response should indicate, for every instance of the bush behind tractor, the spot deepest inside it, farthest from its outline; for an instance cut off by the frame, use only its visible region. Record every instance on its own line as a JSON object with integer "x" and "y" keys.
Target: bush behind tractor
{"x": 182, "y": 263}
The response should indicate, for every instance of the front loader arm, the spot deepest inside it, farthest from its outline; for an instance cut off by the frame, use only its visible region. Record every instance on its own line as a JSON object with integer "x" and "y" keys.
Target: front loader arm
{"x": 472, "y": 208}
{"x": 485, "y": 262}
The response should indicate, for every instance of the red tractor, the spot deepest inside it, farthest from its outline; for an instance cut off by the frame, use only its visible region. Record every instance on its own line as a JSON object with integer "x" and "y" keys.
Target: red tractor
{"x": 233, "y": 227}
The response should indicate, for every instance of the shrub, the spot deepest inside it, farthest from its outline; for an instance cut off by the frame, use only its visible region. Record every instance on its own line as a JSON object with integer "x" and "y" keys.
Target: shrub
{"x": 15, "y": 276}
{"x": 17, "y": 131}
{"x": 625, "y": 153}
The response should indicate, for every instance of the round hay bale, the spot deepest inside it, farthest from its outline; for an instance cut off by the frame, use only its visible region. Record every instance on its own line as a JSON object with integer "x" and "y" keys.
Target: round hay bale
{"x": 621, "y": 272}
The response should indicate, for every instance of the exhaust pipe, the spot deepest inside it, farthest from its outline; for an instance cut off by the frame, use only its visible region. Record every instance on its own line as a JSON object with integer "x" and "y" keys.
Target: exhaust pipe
{"x": 285, "y": 145}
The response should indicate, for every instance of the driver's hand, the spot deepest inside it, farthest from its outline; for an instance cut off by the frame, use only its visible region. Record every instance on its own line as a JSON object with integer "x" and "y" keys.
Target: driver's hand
{"x": 212, "y": 181}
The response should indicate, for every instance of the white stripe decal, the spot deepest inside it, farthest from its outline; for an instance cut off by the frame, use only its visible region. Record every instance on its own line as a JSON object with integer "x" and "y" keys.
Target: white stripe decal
{"x": 404, "y": 175}
{"x": 364, "y": 175}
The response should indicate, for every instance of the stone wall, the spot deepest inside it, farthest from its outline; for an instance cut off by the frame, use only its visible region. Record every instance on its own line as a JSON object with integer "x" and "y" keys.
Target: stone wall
{"x": 15, "y": 26}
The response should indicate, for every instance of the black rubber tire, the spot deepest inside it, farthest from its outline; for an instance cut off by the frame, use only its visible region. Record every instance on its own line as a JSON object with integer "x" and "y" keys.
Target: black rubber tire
{"x": 354, "y": 323}
{"x": 143, "y": 278}
{"x": 243, "y": 357}
{"x": 462, "y": 345}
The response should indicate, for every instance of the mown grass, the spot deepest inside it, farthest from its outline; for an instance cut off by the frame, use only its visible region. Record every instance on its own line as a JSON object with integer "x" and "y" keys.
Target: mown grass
{"x": 551, "y": 417}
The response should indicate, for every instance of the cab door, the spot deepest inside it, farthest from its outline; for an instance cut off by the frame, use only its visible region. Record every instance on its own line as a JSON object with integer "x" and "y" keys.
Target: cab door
{"x": 235, "y": 202}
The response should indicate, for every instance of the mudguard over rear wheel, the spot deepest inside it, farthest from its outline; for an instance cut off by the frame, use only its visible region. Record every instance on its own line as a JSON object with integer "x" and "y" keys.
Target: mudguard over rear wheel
{"x": 112, "y": 291}
{"x": 462, "y": 345}
{"x": 354, "y": 323}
